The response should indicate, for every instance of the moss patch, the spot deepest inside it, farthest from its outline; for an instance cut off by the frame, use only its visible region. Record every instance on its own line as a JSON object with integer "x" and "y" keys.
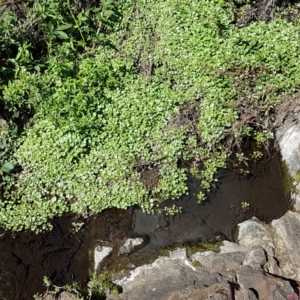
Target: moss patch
{"x": 120, "y": 266}
{"x": 288, "y": 180}
{"x": 203, "y": 246}
{"x": 197, "y": 264}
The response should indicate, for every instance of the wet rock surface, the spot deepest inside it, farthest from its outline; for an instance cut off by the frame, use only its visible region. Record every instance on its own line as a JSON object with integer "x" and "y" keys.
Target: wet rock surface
{"x": 26, "y": 258}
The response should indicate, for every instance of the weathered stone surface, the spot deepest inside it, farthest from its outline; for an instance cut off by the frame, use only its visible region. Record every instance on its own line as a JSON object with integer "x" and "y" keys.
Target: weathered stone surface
{"x": 218, "y": 291}
{"x": 295, "y": 197}
{"x": 252, "y": 233}
{"x": 232, "y": 256}
{"x": 222, "y": 276}
{"x": 288, "y": 138}
{"x": 289, "y": 142}
{"x": 287, "y": 241}
{"x": 130, "y": 244}
{"x": 100, "y": 253}
{"x": 245, "y": 294}
{"x": 165, "y": 275}
{"x": 265, "y": 285}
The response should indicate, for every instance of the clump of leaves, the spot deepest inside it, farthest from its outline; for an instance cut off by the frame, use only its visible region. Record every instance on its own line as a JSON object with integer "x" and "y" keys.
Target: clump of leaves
{"x": 95, "y": 290}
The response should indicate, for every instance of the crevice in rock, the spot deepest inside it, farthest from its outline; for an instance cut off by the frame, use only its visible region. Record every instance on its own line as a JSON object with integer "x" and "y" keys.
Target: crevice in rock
{"x": 254, "y": 291}
{"x": 234, "y": 286}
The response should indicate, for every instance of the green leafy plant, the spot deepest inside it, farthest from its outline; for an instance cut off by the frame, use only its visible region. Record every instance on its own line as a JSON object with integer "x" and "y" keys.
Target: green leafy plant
{"x": 245, "y": 206}
{"x": 95, "y": 289}
{"x": 108, "y": 99}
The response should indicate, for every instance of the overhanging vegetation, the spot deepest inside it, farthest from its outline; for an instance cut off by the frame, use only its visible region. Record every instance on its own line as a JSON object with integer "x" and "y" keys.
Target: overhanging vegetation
{"x": 101, "y": 103}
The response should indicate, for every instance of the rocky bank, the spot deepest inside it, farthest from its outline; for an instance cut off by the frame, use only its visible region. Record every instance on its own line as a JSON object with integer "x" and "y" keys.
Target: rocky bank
{"x": 262, "y": 263}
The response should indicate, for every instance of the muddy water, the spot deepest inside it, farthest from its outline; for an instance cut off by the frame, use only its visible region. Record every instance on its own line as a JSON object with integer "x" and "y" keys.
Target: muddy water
{"x": 65, "y": 256}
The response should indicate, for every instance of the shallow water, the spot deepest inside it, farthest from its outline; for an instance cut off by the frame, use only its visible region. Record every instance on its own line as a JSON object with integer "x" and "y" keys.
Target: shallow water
{"x": 65, "y": 257}
{"x": 262, "y": 190}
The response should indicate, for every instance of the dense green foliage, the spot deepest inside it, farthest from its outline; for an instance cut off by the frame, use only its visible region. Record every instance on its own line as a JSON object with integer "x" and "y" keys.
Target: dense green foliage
{"x": 102, "y": 101}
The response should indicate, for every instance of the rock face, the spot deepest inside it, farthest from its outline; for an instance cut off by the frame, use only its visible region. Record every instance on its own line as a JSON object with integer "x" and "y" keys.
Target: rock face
{"x": 288, "y": 139}
{"x": 235, "y": 273}
{"x": 249, "y": 284}
{"x": 295, "y": 197}
{"x": 287, "y": 240}
{"x": 264, "y": 263}
{"x": 130, "y": 245}
{"x": 289, "y": 142}
{"x": 252, "y": 233}
{"x": 155, "y": 280}
{"x": 100, "y": 253}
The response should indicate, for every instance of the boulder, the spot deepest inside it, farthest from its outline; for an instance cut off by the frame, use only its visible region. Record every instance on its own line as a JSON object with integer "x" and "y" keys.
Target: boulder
{"x": 287, "y": 240}
{"x": 245, "y": 294}
{"x": 252, "y": 234}
{"x": 250, "y": 285}
{"x": 154, "y": 281}
{"x": 218, "y": 291}
{"x": 100, "y": 252}
{"x": 235, "y": 273}
{"x": 287, "y": 136}
{"x": 232, "y": 256}
{"x": 265, "y": 286}
{"x": 130, "y": 245}
{"x": 295, "y": 196}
